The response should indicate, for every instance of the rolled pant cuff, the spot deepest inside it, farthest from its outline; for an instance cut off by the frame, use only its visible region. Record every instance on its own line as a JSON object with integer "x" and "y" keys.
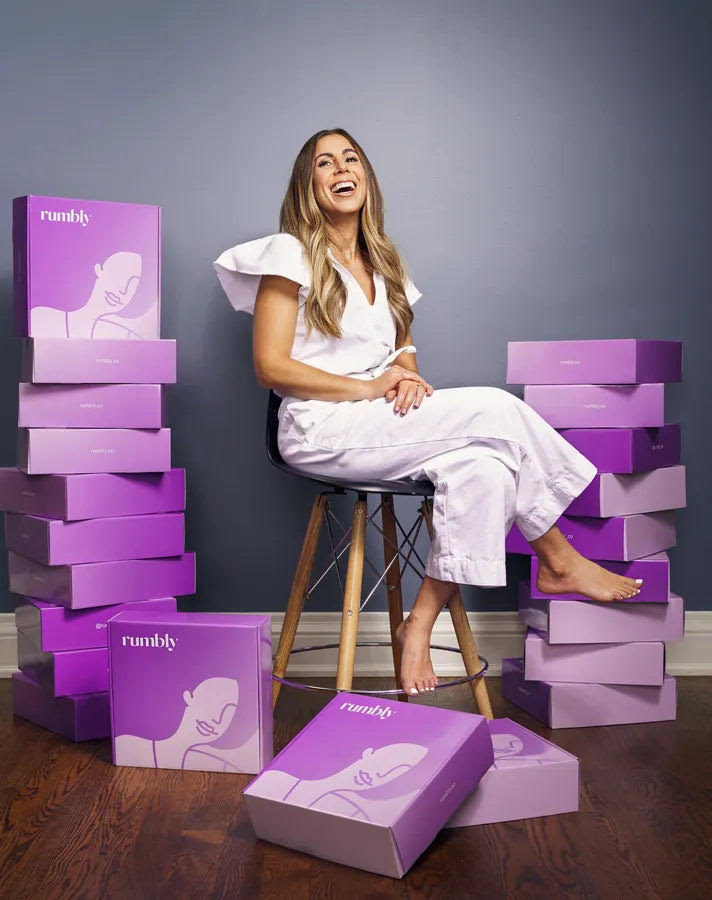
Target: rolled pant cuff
{"x": 562, "y": 493}
{"x": 464, "y": 570}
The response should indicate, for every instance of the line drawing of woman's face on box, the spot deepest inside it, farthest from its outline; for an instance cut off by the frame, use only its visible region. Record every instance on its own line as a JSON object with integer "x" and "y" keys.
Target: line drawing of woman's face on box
{"x": 209, "y": 711}
{"x": 110, "y": 311}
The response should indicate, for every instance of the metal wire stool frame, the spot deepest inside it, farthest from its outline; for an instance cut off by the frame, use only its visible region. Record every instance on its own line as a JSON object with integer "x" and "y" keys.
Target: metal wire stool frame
{"x": 303, "y": 686}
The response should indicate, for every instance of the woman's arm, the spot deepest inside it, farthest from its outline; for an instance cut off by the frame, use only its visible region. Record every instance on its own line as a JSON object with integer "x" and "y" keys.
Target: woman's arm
{"x": 275, "y": 320}
{"x": 408, "y": 392}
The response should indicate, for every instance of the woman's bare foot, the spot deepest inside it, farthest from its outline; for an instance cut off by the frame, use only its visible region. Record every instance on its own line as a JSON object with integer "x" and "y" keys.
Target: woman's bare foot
{"x": 416, "y": 670}
{"x": 571, "y": 573}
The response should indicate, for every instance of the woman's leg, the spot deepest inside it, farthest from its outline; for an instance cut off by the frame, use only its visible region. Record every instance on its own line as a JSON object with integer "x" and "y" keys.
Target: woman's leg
{"x": 413, "y": 634}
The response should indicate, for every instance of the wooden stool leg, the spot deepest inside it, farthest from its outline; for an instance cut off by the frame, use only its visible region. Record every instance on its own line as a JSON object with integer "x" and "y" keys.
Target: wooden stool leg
{"x": 295, "y": 603}
{"x": 393, "y": 579}
{"x": 352, "y": 598}
{"x": 465, "y": 638}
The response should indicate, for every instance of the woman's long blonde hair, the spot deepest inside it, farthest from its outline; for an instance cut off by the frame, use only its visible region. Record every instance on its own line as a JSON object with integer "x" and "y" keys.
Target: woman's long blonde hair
{"x": 301, "y": 216}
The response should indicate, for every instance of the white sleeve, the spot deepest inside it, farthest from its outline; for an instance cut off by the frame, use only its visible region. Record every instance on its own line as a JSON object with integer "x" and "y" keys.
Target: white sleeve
{"x": 240, "y": 268}
{"x": 411, "y": 292}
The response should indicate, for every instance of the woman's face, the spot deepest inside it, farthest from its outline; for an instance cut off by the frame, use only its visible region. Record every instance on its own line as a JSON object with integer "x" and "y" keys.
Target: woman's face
{"x": 337, "y": 163}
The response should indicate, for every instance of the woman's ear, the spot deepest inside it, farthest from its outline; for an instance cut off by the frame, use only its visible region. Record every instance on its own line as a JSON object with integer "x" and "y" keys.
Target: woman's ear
{"x": 97, "y": 269}
{"x": 187, "y": 697}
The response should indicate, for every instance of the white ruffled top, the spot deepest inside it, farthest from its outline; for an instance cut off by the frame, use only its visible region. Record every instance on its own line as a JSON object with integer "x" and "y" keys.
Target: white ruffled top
{"x": 367, "y": 344}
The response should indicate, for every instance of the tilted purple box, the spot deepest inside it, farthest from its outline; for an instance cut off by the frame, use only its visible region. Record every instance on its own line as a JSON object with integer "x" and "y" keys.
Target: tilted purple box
{"x": 627, "y": 449}
{"x": 618, "y": 361}
{"x": 65, "y": 673}
{"x": 54, "y": 628}
{"x": 653, "y": 569}
{"x": 82, "y": 718}
{"x": 588, "y": 622}
{"x": 598, "y": 406}
{"x": 191, "y": 691}
{"x": 56, "y": 543}
{"x": 86, "y": 268}
{"x": 624, "y": 495}
{"x": 568, "y": 705}
{"x": 530, "y": 777}
{"x": 370, "y": 782}
{"x": 72, "y": 497}
{"x": 69, "y": 451}
{"x": 622, "y": 538}
{"x": 90, "y": 406}
{"x": 104, "y": 583}
{"x": 85, "y": 361}
{"x": 639, "y": 662}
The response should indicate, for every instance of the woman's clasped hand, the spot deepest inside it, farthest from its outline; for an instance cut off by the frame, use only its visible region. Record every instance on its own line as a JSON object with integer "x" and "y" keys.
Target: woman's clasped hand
{"x": 403, "y": 387}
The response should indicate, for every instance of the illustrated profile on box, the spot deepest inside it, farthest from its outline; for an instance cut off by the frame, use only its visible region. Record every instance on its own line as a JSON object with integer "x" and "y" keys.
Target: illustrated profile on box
{"x": 346, "y": 791}
{"x": 111, "y": 311}
{"x": 521, "y": 749}
{"x": 210, "y": 709}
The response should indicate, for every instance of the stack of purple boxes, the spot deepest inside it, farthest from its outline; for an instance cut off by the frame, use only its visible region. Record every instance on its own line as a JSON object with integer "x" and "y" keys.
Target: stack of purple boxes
{"x": 588, "y": 663}
{"x": 94, "y": 512}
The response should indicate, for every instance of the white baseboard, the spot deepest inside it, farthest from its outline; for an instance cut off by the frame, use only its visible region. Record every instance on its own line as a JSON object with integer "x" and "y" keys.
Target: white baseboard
{"x": 498, "y": 634}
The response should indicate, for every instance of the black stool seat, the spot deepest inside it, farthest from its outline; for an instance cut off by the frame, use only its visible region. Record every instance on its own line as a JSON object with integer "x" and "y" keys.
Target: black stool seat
{"x": 423, "y": 488}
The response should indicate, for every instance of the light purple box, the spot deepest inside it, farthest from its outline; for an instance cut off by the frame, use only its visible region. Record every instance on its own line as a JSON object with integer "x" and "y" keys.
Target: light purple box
{"x": 598, "y": 406}
{"x": 82, "y": 718}
{"x": 191, "y": 691}
{"x": 104, "y": 583}
{"x": 53, "y": 628}
{"x": 57, "y": 543}
{"x": 568, "y": 705}
{"x": 622, "y": 538}
{"x": 370, "y": 782}
{"x": 640, "y": 662}
{"x": 653, "y": 569}
{"x": 588, "y": 622}
{"x": 66, "y": 673}
{"x": 90, "y": 406}
{"x": 623, "y": 495}
{"x": 71, "y": 497}
{"x": 86, "y": 268}
{"x": 530, "y": 777}
{"x": 619, "y": 361}
{"x": 70, "y": 451}
{"x": 84, "y": 361}
{"x": 627, "y": 449}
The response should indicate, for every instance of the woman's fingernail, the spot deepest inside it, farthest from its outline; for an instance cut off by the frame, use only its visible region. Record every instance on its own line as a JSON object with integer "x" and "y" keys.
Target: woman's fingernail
{"x": 638, "y": 580}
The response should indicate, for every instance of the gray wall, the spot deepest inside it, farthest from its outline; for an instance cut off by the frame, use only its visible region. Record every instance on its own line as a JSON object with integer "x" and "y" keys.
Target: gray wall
{"x": 545, "y": 167}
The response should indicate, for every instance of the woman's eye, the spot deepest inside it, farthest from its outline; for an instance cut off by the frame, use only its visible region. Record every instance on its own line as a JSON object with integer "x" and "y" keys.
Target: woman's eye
{"x": 352, "y": 159}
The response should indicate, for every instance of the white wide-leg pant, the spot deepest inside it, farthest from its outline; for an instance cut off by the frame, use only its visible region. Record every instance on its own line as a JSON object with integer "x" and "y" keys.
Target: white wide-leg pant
{"x": 492, "y": 458}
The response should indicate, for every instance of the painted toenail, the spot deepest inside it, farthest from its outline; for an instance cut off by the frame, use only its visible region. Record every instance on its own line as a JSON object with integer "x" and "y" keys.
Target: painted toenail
{"x": 414, "y": 690}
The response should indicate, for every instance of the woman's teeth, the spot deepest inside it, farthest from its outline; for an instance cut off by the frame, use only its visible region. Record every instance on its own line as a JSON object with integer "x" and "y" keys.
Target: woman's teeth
{"x": 343, "y": 188}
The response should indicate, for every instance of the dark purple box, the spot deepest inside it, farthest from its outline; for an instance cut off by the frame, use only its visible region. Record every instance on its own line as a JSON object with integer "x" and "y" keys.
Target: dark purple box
{"x": 90, "y": 496}
{"x": 82, "y": 718}
{"x": 55, "y": 628}
{"x": 627, "y": 449}
{"x": 66, "y": 673}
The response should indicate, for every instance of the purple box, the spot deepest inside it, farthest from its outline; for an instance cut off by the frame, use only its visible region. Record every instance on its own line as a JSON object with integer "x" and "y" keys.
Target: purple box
{"x": 588, "y": 622}
{"x": 623, "y": 495}
{"x": 530, "y": 777}
{"x": 370, "y": 782}
{"x": 627, "y": 449}
{"x": 622, "y": 538}
{"x": 653, "y": 569}
{"x": 82, "y": 718}
{"x": 640, "y": 662}
{"x": 71, "y": 497}
{"x": 104, "y": 583}
{"x": 598, "y": 406}
{"x": 69, "y": 451}
{"x": 90, "y": 406}
{"x": 67, "y": 673}
{"x": 567, "y": 705}
{"x": 86, "y": 268}
{"x": 624, "y": 361}
{"x": 56, "y": 543}
{"x": 57, "y": 361}
{"x": 53, "y": 628}
{"x": 191, "y": 691}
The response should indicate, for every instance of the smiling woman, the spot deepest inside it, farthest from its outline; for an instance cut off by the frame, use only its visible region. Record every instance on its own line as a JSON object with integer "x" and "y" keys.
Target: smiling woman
{"x": 332, "y": 303}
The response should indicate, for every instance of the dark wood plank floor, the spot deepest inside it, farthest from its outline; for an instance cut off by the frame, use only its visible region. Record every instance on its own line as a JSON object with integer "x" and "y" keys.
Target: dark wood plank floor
{"x": 73, "y": 825}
